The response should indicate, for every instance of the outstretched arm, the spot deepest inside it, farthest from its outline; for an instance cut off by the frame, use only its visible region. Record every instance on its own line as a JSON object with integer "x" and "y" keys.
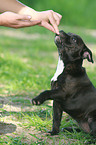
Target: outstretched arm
{"x": 10, "y": 16}
{"x": 48, "y": 19}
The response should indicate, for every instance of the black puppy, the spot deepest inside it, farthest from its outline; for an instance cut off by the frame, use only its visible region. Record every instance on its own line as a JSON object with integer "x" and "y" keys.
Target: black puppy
{"x": 72, "y": 91}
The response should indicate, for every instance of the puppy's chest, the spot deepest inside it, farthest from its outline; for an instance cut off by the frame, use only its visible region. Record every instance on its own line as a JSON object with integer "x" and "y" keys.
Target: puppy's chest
{"x": 67, "y": 83}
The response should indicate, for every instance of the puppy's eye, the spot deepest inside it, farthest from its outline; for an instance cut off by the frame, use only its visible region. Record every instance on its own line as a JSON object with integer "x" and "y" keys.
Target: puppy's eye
{"x": 74, "y": 40}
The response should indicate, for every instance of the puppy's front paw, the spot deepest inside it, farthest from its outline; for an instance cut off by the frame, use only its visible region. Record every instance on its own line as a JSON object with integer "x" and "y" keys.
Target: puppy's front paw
{"x": 35, "y": 102}
{"x": 53, "y": 132}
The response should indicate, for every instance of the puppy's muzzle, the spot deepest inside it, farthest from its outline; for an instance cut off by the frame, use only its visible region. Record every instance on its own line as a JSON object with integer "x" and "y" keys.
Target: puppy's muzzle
{"x": 57, "y": 39}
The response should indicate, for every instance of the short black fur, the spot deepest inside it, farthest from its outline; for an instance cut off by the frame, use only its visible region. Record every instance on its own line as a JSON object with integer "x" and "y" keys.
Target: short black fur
{"x": 73, "y": 92}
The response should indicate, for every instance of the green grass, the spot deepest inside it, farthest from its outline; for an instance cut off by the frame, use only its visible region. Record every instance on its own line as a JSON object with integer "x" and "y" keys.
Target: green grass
{"x": 26, "y": 67}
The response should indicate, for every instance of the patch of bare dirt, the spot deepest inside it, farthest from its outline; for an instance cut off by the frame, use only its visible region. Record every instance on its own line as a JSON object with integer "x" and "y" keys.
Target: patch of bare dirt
{"x": 15, "y": 129}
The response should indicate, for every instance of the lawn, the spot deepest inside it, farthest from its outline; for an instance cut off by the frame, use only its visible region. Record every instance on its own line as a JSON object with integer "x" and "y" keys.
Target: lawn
{"x": 28, "y": 59}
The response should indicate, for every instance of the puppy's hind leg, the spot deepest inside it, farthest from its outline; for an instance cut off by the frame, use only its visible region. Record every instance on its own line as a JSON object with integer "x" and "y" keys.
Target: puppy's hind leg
{"x": 92, "y": 125}
{"x": 92, "y": 122}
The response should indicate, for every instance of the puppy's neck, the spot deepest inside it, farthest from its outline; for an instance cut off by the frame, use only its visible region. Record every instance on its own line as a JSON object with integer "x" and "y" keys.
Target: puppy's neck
{"x": 74, "y": 69}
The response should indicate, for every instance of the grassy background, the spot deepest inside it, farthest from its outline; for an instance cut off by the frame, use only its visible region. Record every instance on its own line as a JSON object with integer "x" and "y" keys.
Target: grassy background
{"x": 74, "y": 12}
{"x": 28, "y": 61}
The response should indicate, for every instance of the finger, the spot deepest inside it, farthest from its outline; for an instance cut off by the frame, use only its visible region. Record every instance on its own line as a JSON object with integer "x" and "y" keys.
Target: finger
{"x": 47, "y": 26}
{"x": 57, "y": 17}
{"x": 24, "y": 17}
{"x": 60, "y": 16}
{"x": 53, "y": 22}
{"x": 23, "y": 24}
{"x": 31, "y": 23}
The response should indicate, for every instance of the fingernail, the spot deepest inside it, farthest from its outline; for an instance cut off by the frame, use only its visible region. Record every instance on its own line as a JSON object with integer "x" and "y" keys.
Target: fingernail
{"x": 57, "y": 32}
{"x": 29, "y": 17}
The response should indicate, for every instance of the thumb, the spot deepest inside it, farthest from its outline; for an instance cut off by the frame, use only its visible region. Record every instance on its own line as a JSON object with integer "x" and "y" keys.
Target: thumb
{"x": 24, "y": 17}
{"x": 28, "y": 18}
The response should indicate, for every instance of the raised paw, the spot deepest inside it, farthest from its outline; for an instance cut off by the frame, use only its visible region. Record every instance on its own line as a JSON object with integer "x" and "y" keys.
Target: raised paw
{"x": 35, "y": 102}
{"x": 39, "y": 99}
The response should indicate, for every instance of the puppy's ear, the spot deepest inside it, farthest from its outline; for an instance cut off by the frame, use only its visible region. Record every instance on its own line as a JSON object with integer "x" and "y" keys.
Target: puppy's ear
{"x": 87, "y": 54}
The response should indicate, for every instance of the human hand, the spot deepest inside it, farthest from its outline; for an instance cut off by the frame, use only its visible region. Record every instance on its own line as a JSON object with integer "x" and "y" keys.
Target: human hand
{"x": 49, "y": 19}
{"x": 10, "y": 19}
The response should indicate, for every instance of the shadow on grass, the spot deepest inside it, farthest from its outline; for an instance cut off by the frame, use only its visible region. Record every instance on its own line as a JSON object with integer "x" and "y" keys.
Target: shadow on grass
{"x": 7, "y": 128}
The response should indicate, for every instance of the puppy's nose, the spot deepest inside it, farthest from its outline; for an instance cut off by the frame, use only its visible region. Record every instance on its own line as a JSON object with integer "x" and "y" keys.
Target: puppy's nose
{"x": 56, "y": 34}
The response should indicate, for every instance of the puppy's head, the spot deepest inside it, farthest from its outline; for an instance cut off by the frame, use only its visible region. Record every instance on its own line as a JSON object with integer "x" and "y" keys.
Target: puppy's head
{"x": 72, "y": 48}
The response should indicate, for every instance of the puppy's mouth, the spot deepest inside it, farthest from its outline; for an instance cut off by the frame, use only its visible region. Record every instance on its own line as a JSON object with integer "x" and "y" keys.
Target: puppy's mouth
{"x": 59, "y": 39}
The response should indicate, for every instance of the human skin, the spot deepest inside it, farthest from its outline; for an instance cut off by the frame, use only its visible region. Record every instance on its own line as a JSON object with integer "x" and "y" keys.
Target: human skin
{"x": 17, "y": 15}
